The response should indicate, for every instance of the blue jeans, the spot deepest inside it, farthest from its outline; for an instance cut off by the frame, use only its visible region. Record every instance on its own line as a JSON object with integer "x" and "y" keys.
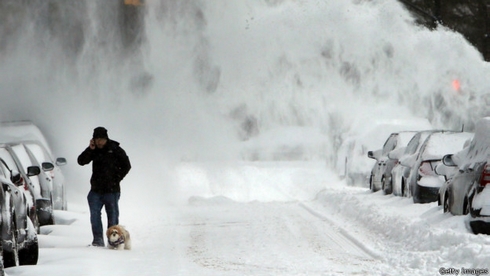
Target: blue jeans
{"x": 95, "y": 202}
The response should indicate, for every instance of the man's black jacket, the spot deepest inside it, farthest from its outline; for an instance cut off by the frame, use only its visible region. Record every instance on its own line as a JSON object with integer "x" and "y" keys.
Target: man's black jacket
{"x": 109, "y": 166}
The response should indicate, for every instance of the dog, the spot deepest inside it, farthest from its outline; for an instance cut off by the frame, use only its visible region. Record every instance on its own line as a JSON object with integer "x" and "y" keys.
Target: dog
{"x": 118, "y": 238}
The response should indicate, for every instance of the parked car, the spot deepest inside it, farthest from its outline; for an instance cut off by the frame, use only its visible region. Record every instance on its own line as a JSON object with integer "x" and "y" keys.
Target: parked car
{"x": 19, "y": 236}
{"x": 352, "y": 163}
{"x": 448, "y": 172}
{"x": 49, "y": 189}
{"x": 400, "y": 173}
{"x": 40, "y": 155}
{"x": 42, "y": 187}
{"x": 468, "y": 190}
{"x": 479, "y": 200}
{"x": 22, "y": 179}
{"x": 423, "y": 182}
{"x": 381, "y": 172}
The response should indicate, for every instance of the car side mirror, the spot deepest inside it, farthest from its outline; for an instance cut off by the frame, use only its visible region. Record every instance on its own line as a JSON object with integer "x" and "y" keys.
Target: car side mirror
{"x": 33, "y": 170}
{"x": 370, "y": 154}
{"x": 61, "y": 161}
{"x": 448, "y": 160}
{"x": 47, "y": 166}
{"x": 16, "y": 178}
{"x": 374, "y": 154}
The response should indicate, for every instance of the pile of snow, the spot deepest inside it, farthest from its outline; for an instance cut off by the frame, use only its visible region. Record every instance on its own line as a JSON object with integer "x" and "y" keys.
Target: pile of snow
{"x": 419, "y": 238}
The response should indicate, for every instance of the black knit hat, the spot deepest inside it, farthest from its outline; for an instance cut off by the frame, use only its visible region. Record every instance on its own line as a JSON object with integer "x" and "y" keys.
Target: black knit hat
{"x": 100, "y": 132}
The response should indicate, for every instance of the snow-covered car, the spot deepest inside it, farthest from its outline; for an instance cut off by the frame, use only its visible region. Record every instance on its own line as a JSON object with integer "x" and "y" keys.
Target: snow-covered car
{"x": 400, "y": 173}
{"x": 22, "y": 178}
{"x": 479, "y": 200}
{"x": 352, "y": 161}
{"x": 468, "y": 190}
{"x": 18, "y": 131}
{"x": 42, "y": 186}
{"x": 452, "y": 198}
{"x": 37, "y": 150}
{"x": 381, "y": 173}
{"x": 19, "y": 236}
{"x": 454, "y": 194}
{"x": 40, "y": 155}
{"x": 423, "y": 182}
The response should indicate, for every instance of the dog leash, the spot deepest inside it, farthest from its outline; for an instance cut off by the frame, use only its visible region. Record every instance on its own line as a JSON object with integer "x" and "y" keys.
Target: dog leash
{"x": 118, "y": 242}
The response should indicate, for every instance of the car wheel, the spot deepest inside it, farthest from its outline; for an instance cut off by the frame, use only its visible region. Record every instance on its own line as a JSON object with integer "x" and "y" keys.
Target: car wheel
{"x": 51, "y": 215}
{"x": 404, "y": 192}
{"x": 446, "y": 203}
{"x": 480, "y": 227}
{"x": 383, "y": 186}
{"x": 2, "y": 262}
{"x": 371, "y": 186}
{"x": 32, "y": 214}
{"x": 391, "y": 184}
{"x": 35, "y": 221}
{"x": 11, "y": 256}
{"x": 387, "y": 185}
{"x": 29, "y": 255}
{"x": 466, "y": 206}
{"x": 44, "y": 209}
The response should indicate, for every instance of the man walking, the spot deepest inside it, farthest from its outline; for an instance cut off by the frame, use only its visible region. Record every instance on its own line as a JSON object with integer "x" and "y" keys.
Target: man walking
{"x": 110, "y": 164}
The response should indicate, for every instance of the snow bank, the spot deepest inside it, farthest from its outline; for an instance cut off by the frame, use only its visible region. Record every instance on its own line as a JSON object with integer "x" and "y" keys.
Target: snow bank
{"x": 418, "y": 237}
{"x": 249, "y": 181}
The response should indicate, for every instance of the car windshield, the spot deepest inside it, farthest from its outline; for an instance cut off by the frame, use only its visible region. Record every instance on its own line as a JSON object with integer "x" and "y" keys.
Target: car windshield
{"x": 21, "y": 153}
{"x": 390, "y": 144}
{"x": 39, "y": 153}
{"x": 5, "y": 155}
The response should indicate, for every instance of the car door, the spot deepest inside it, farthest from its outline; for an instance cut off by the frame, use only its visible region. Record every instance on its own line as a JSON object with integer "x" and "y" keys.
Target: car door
{"x": 460, "y": 186}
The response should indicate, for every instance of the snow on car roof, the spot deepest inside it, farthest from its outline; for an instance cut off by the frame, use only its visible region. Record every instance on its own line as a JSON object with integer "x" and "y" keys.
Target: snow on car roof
{"x": 439, "y": 144}
{"x": 479, "y": 148}
{"x": 377, "y": 135}
{"x": 22, "y": 131}
{"x": 405, "y": 137}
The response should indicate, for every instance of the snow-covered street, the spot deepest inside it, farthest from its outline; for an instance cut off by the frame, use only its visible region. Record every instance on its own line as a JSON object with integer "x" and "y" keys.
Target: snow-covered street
{"x": 334, "y": 230}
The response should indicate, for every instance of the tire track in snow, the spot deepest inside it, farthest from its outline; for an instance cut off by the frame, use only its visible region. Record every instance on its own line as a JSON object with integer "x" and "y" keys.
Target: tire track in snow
{"x": 276, "y": 238}
{"x": 350, "y": 240}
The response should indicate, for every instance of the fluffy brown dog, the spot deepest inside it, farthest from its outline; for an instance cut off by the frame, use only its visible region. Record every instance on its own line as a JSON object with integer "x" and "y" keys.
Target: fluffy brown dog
{"x": 118, "y": 238}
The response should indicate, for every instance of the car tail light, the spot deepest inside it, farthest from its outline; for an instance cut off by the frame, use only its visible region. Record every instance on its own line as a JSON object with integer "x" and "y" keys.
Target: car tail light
{"x": 32, "y": 210}
{"x": 425, "y": 169}
{"x": 485, "y": 176}
{"x": 24, "y": 183}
